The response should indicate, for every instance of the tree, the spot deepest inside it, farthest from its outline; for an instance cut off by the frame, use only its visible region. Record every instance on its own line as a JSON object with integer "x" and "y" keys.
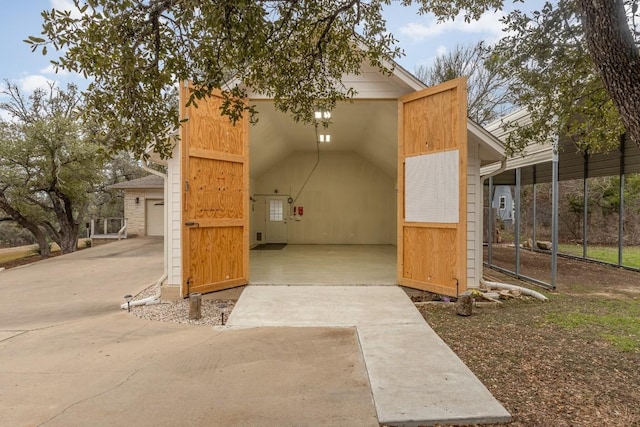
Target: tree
{"x": 294, "y": 51}
{"x": 297, "y": 51}
{"x": 49, "y": 165}
{"x": 487, "y": 96}
{"x": 576, "y": 67}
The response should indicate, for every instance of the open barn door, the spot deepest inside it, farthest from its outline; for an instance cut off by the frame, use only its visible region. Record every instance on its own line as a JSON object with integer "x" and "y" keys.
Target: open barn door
{"x": 215, "y": 197}
{"x": 432, "y": 189}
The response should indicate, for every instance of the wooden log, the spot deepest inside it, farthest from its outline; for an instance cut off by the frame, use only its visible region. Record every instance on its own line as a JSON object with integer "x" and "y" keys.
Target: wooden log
{"x": 195, "y": 306}
{"x": 464, "y": 306}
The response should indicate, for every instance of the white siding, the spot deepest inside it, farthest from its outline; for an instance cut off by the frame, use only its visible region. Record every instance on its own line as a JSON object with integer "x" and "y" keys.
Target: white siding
{"x": 474, "y": 218}
{"x": 174, "y": 261}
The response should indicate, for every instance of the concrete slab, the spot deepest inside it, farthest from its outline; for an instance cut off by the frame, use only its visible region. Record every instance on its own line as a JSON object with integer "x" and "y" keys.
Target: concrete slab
{"x": 332, "y": 306}
{"x": 69, "y": 356}
{"x": 415, "y": 378}
{"x": 119, "y": 370}
{"x": 325, "y": 265}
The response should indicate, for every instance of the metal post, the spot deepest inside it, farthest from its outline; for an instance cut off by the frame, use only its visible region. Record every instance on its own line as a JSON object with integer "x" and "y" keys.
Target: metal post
{"x": 554, "y": 214}
{"x": 534, "y": 225}
{"x": 491, "y": 221}
{"x": 621, "y": 207}
{"x": 516, "y": 225}
{"x": 585, "y": 204}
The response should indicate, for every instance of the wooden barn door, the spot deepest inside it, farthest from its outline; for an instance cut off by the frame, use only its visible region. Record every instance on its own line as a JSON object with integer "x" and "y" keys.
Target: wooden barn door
{"x": 432, "y": 189}
{"x": 215, "y": 198}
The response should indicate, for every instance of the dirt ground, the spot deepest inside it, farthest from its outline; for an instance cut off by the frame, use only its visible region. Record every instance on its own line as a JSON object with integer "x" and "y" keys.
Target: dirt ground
{"x": 556, "y": 363}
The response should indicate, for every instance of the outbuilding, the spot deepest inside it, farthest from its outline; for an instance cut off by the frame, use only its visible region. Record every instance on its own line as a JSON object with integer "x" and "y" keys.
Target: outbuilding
{"x": 397, "y": 168}
{"x": 143, "y": 205}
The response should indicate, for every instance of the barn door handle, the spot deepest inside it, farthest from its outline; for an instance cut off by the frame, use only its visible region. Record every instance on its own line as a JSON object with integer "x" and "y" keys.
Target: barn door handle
{"x": 191, "y": 224}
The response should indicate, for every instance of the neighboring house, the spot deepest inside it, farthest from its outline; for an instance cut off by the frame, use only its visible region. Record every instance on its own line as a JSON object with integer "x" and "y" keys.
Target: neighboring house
{"x": 402, "y": 167}
{"x": 503, "y": 203}
{"x": 143, "y": 205}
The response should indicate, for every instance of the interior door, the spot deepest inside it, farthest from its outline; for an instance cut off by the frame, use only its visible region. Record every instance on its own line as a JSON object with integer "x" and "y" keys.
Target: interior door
{"x": 215, "y": 197}
{"x": 276, "y": 219}
{"x": 432, "y": 189}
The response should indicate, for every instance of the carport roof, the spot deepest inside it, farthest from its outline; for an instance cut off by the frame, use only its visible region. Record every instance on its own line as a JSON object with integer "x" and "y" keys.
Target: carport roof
{"x": 148, "y": 182}
{"x": 535, "y": 162}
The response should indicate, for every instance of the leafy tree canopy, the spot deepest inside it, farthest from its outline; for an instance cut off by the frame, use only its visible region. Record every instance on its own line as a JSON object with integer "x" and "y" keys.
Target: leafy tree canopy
{"x": 294, "y": 51}
{"x": 570, "y": 85}
{"x": 576, "y": 61}
{"x": 51, "y": 164}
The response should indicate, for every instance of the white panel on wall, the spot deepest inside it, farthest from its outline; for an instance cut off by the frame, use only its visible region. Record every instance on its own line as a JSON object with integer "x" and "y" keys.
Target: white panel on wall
{"x": 431, "y": 188}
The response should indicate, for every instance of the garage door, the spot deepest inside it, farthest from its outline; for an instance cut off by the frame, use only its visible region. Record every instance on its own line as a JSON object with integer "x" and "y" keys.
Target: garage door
{"x": 154, "y": 217}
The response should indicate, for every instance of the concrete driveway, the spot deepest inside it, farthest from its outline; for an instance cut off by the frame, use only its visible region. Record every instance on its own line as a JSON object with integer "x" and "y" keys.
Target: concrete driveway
{"x": 69, "y": 356}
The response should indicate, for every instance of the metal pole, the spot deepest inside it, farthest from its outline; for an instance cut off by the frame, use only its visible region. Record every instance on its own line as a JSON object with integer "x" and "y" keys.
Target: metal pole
{"x": 516, "y": 225}
{"x": 491, "y": 224}
{"x": 621, "y": 208}
{"x": 554, "y": 214}
{"x": 533, "y": 231}
{"x": 585, "y": 204}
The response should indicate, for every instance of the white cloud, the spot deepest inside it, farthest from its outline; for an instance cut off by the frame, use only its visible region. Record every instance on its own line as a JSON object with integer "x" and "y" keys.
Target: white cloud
{"x": 5, "y": 116}
{"x": 489, "y": 25}
{"x": 29, "y": 83}
{"x": 50, "y": 69}
{"x": 66, "y": 5}
{"x": 441, "y": 50}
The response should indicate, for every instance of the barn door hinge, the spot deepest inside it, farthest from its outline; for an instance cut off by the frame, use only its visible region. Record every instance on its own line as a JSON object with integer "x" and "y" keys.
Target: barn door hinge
{"x": 192, "y": 224}
{"x": 186, "y": 186}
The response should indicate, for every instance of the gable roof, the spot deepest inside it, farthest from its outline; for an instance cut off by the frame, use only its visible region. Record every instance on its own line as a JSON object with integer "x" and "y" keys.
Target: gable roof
{"x": 148, "y": 182}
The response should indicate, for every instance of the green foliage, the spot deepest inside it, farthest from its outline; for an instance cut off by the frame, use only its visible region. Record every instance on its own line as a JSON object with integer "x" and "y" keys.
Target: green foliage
{"x": 49, "y": 164}
{"x": 293, "y": 51}
{"x": 630, "y": 254}
{"x": 555, "y": 78}
{"x": 614, "y": 320}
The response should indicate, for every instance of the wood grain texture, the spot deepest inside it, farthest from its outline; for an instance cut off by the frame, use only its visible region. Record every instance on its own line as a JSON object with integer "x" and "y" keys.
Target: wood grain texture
{"x": 218, "y": 257}
{"x": 432, "y": 256}
{"x": 215, "y": 190}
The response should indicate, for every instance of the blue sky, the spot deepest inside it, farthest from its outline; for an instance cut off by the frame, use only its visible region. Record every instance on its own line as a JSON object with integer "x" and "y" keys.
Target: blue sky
{"x": 420, "y": 36}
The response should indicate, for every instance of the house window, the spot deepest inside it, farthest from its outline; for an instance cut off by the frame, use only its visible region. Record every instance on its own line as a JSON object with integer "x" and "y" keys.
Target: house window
{"x": 503, "y": 202}
{"x": 275, "y": 210}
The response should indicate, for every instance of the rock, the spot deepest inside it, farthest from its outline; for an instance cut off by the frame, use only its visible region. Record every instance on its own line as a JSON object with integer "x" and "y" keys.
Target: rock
{"x": 528, "y": 244}
{"x": 545, "y": 246}
{"x": 464, "y": 306}
{"x": 505, "y": 294}
{"x": 491, "y": 295}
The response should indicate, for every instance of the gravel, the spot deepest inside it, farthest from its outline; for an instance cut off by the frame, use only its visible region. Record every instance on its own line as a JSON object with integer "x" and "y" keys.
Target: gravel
{"x": 213, "y": 311}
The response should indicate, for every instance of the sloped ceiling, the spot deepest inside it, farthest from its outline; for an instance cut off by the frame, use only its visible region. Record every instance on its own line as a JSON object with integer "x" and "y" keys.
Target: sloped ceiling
{"x": 368, "y": 127}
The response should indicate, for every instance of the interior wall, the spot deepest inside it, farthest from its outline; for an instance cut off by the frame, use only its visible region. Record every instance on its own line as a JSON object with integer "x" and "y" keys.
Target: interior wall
{"x": 347, "y": 200}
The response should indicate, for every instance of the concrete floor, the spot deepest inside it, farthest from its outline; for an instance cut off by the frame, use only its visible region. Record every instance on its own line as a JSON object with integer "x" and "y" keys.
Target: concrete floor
{"x": 324, "y": 265}
{"x": 416, "y": 380}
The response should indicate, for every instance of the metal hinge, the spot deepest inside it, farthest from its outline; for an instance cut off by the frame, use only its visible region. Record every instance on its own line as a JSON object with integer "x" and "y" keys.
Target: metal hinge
{"x": 186, "y": 186}
{"x": 191, "y": 224}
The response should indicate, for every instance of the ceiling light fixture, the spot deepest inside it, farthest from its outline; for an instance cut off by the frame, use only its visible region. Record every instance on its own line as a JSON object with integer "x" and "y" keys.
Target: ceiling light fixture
{"x": 324, "y": 138}
{"x": 322, "y": 115}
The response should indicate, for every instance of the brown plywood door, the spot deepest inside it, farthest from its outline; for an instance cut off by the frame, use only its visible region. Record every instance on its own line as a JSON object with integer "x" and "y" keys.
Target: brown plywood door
{"x": 432, "y": 189}
{"x": 215, "y": 197}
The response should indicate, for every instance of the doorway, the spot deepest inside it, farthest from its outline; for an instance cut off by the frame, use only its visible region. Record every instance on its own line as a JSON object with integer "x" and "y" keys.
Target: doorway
{"x": 273, "y": 214}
